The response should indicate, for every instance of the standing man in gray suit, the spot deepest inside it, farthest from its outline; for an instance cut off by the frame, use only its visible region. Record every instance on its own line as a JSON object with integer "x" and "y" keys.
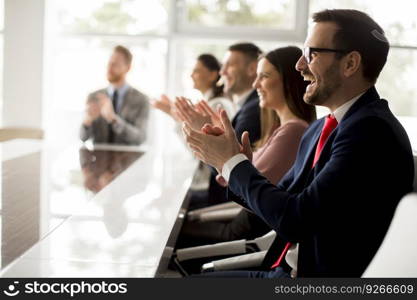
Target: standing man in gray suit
{"x": 119, "y": 113}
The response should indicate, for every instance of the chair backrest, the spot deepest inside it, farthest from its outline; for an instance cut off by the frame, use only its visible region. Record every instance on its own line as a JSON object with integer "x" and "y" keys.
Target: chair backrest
{"x": 9, "y": 133}
{"x": 397, "y": 256}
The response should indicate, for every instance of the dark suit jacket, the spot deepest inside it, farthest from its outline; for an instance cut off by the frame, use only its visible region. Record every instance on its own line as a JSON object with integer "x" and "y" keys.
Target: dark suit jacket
{"x": 340, "y": 210}
{"x": 130, "y": 126}
{"x": 246, "y": 119}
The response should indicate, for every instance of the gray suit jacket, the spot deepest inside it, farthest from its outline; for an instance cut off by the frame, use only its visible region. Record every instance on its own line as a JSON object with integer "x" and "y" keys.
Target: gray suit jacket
{"x": 130, "y": 125}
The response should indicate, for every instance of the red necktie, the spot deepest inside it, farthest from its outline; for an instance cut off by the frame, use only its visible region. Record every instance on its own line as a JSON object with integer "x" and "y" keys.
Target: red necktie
{"x": 329, "y": 125}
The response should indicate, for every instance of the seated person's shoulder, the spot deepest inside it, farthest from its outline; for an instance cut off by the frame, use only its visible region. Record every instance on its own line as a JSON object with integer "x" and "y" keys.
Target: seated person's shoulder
{"x": 251, "y": 107}
{"x": 374, "y": 128}
{"x": 296, "y": 127}
{"x": 94, "y": 95}
{"x": 138, "y": 95}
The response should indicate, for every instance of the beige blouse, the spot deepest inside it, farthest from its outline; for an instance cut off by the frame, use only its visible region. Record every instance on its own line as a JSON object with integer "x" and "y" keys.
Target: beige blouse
{"x": 278, "y": 154}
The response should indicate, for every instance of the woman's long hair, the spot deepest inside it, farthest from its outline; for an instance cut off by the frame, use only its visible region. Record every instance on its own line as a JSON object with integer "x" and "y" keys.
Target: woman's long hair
{"x": 210, "y": 62}
{"x": 284, "y": 60}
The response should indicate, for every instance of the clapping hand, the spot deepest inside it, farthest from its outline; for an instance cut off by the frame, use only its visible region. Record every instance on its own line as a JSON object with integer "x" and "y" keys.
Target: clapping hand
{"x": 107, "y": 110}
{"x": 205, "y": 109}
{"x": 188, "y": 113}
{"x": 92, "y": 113}
{"x": 214, "y": 145}
{"x": 166, "y": 105}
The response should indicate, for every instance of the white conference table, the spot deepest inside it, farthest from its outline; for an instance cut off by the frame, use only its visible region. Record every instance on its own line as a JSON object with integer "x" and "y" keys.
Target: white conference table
{"x": 103, "y": 212}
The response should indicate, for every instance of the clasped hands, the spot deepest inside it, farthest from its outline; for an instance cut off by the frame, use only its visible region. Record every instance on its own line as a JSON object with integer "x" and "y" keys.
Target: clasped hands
{"x": 208, "y": 133}
{"x": 215, "y": 144}
{"x": 101, "y": 105}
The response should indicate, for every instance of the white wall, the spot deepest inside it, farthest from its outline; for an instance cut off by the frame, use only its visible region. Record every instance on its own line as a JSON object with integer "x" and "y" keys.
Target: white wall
{"x": 23, "y": 62}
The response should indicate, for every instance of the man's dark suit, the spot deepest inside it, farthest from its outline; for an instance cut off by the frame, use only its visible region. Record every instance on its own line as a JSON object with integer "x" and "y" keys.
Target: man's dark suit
{"x": 338, "y": 211}
{"x": 248, "y": 118}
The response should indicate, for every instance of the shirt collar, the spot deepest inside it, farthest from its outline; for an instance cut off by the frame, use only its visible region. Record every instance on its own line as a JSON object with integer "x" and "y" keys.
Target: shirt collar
{"x": 241, "y": 99}
{"x": 121, "y": 90}
{"x": 208, "y": 94}
{"x": 340, "y": 112}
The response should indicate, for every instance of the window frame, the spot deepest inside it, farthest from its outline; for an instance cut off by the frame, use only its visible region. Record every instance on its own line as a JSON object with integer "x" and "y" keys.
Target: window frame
{"x": 297, "y": 34}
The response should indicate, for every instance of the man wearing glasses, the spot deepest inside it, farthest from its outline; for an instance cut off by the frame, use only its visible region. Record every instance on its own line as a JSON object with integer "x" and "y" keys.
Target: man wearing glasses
{"x": 332, "y": 209}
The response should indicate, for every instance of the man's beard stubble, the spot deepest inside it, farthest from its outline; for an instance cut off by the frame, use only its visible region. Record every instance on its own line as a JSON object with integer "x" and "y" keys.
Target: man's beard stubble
{"x": 241, "y": 84}
{"x": 113, "y": 77}
{"x": 330, "y": 83}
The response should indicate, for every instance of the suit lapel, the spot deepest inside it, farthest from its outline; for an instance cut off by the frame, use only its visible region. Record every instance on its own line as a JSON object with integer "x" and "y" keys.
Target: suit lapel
{"x": 250, "y": 97}
{"x": 307, "y": 155}
{"x": 125, "y": 105}
{"x": 307, "y": 163}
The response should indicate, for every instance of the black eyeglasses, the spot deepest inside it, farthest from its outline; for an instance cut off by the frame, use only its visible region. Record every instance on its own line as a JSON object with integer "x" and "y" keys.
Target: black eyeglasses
{"x": 309, "y": 50}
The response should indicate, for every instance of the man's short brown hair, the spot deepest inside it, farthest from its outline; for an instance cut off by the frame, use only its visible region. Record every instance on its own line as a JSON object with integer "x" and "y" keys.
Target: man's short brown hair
{"x": 358, "y": 32}
{"x": 125, "y": 52}
{"x": 250, "y": 50}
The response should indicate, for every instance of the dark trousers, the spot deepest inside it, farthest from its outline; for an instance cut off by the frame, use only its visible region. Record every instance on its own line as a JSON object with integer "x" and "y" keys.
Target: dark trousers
{"x": 215, "y": 194}
{"x": 245, "y": 225}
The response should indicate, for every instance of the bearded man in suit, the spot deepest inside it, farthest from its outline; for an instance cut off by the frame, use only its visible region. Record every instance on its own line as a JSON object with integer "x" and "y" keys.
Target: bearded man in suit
{"x": 119, "y": 113}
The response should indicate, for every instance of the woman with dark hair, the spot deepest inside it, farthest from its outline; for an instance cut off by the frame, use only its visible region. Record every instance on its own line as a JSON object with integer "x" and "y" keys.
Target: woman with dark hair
{"x": 205, "y": 76}
{"x": 284, "y": 119}
{"x": 281, "y": 88}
